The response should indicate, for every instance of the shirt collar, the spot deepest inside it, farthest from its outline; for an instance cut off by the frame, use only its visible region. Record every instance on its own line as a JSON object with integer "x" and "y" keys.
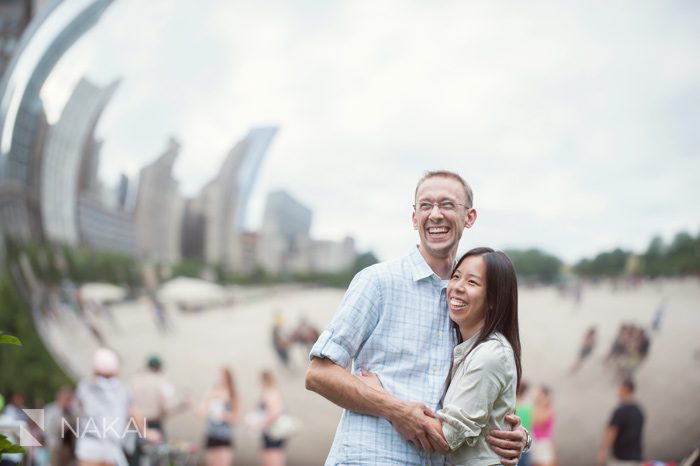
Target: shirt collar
{"x": 420, "y": 268}
{"x": 461, "y": 350}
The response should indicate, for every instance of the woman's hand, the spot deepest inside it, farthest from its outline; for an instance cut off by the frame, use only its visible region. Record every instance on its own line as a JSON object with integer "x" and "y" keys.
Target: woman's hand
{"x": 371, "y": 379}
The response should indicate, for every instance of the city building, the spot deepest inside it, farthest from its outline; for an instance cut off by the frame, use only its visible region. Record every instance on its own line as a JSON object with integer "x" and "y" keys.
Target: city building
{"x": 333, "y": 256}
{"x": 18, "y": 211}
{"x": 71, "y": 161}
{"x": 23, "y": 126}
{"x": 285, "y": 244}
{"x": 159, "y": 209}
{"x": 284, "y": 234}
{"x": 15, "y": 16}
{"x": 103, "y": 228}
{"x": 214, "y": 223}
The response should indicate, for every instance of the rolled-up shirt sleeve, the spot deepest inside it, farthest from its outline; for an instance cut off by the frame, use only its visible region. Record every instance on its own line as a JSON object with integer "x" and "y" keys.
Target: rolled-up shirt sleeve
{"x": 472, "y": 394}
{"x": 353, "y": 322}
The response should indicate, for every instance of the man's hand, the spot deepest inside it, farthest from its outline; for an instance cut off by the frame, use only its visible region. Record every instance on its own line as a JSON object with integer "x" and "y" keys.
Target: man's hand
{"x": 417, "y": 424}
{"x": 507, "y": 444}
{"x": 413, "y": 421}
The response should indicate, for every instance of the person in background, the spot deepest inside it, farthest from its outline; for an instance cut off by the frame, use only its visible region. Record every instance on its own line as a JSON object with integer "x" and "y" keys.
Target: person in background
{"x": 589, "y": 341}
{"x": 624, "y": 431}
{"x": 543, "y": 452}
{"x": 15, "y": 405}
{"x": 154, "y": 395}
{"x": 221, "y": 408}
{"x": 105, "y": 400}
{"x": 59, "y": 419}
{"x": 12, "y": 414}
{"x": 524, "y": 410}
{"x": 658, "y": 316}
{"x": 271, "y": 407}
{"x": 280, "y": 340}
{"x": 155, "y": 398}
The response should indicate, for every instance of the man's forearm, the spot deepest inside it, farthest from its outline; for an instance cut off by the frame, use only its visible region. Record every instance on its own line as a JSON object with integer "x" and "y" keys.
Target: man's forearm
{"x": 608, "y": 438}
{"x": 345, "y": 390}
{"x": 411, "y": 420}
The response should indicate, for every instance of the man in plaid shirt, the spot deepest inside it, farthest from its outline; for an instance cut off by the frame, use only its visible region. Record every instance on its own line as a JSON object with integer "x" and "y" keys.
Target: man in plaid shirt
{"x": 393, "y": 321}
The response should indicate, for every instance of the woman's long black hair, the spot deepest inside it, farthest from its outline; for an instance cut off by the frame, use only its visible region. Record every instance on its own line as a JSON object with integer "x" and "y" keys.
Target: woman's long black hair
{"x": 501, "y": 301}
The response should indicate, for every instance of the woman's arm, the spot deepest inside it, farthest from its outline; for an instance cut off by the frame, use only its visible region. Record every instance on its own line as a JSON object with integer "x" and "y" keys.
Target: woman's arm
{"x": 473, "y": 391}
{"x": 273, "y": 407}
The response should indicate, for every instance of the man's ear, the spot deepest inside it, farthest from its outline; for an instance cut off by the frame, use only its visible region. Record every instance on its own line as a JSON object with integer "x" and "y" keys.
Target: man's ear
{"x": 414, "y": 220}
{"x": 471, "y": 218}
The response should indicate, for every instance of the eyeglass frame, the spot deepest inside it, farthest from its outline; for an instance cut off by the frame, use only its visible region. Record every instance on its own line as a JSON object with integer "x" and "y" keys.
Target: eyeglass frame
{"x": 440, "y": 205}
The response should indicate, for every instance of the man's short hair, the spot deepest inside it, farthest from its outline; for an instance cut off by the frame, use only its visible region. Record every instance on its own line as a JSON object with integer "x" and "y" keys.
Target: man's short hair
{"x": 628, "y": 384}
{"x": 154, "y": 363}
{"x": 448, "y": 174}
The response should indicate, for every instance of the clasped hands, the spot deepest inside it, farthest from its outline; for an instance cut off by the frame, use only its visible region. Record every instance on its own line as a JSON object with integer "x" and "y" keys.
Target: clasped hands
{"x": 417, "y": 424}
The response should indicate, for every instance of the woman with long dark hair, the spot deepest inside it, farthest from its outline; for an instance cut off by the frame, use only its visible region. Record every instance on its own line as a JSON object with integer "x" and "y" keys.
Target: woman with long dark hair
{"x": 482, "y": 298}
{"x": 271, "y": 406}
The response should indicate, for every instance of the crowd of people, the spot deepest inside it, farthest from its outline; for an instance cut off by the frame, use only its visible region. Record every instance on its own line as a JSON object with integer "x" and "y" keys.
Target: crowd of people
{"x": 107, "y": 421}
{"x": 629, "y": 350}
{"x": 285, "y": 340}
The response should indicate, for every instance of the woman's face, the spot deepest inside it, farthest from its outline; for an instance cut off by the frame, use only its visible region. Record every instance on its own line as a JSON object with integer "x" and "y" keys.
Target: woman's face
{"x": 466, "y": 295}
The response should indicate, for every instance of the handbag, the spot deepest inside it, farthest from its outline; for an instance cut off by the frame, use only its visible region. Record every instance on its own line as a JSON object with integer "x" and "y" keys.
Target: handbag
{"x": 284, "y": 427}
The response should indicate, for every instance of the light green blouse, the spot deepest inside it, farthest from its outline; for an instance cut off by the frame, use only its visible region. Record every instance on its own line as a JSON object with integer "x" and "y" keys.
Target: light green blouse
{"x": 480, "y": 395}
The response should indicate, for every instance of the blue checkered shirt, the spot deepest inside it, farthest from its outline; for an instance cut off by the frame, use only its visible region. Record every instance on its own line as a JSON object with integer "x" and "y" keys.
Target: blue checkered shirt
{"x": 393, "y": 321}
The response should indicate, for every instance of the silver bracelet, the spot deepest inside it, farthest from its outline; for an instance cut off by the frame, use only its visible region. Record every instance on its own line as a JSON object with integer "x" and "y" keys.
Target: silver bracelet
{"x": 528, "y": 441}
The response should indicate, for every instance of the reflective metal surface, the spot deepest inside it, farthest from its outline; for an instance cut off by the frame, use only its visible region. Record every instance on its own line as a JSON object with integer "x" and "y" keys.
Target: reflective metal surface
{"x": 127, "y": 249}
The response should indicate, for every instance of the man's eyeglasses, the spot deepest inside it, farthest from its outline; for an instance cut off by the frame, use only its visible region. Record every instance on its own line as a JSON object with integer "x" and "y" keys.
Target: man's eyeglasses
{"x": 444, "y": 206}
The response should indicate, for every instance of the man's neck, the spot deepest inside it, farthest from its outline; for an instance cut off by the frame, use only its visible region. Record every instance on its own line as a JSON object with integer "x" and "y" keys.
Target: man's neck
{"x": 442, "y": 266}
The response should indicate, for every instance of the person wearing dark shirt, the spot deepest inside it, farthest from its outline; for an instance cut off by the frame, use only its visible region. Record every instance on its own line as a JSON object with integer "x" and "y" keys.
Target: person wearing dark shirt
{"x": 624, "y": 431}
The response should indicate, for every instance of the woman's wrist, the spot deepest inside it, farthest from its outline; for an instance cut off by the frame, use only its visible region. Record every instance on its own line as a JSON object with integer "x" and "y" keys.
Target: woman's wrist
{"x": 528, "y": 440}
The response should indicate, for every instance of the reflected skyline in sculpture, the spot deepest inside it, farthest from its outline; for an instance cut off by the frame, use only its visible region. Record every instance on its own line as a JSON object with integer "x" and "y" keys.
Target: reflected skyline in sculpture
{"x": 54, "y": 187}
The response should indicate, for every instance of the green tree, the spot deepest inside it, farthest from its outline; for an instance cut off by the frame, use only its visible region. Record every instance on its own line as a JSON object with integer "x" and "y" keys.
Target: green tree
{"x": 30, "y": 370}
{"x": 606, "y": 264}
{"x": 535, "y": 265}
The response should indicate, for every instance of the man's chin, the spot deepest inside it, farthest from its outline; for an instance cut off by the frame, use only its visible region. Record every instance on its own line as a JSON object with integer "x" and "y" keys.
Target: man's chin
{"x": 440, "y": 250}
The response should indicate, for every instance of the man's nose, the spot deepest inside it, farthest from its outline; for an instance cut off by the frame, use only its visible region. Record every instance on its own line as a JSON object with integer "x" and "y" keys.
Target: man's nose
{"x": 435, "y": 212}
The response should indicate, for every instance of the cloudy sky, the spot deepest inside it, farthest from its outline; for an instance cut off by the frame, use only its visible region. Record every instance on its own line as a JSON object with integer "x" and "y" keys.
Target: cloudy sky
{"x": 577, "y": 124}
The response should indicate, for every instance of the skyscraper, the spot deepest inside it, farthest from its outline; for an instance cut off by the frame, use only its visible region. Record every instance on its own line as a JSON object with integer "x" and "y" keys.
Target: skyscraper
{"x": 69, "y": 163}
{"x": 22, "y": 119}
{"x": 220, "y": 208}
{"x": 284, "y": 234}
{"x": 159, "y": 208}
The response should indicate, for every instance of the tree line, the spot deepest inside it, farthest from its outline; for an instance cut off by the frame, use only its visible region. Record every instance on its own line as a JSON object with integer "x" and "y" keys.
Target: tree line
{"x": 680, "y": 257}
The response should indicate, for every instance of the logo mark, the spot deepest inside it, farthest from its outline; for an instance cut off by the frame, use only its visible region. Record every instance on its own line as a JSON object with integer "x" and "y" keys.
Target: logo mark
{"x": 26, "y": 439}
